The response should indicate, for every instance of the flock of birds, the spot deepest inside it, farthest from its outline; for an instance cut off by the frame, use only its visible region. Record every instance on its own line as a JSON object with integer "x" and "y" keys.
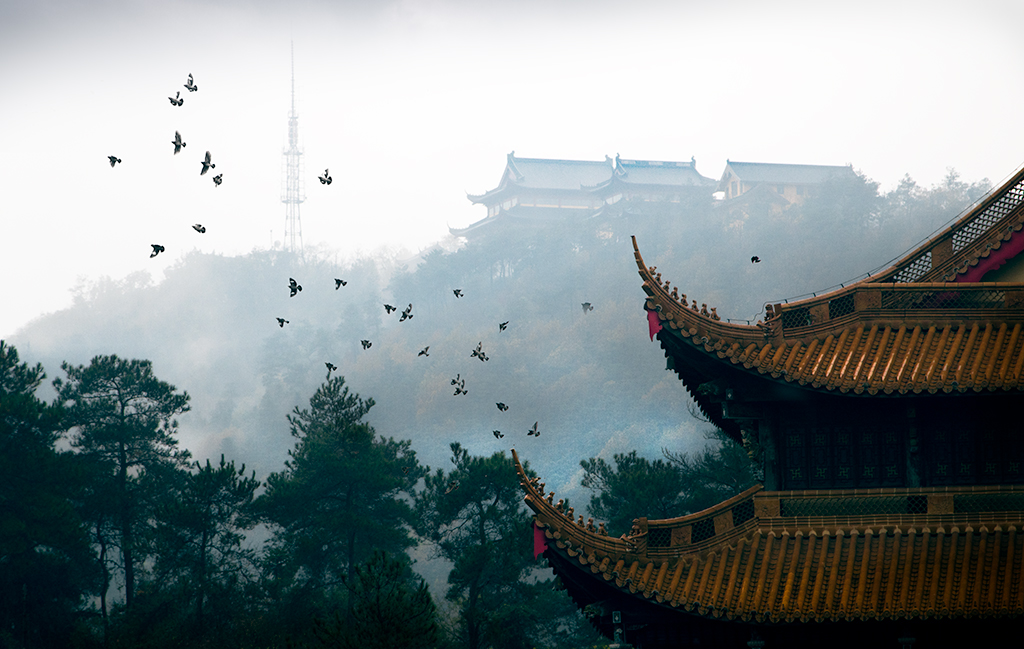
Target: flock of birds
{"x": 295, "y": 288}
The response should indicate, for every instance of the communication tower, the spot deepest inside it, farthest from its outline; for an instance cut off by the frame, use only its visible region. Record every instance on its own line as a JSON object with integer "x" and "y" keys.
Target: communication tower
{"x": 292, "y": 194}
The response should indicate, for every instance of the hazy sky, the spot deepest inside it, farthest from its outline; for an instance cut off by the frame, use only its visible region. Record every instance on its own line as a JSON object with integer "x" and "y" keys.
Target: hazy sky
{"x": 412, "y": 104}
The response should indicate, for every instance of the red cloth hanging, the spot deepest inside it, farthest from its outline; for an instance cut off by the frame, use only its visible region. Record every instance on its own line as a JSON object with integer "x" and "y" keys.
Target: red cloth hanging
{"x": 540, "y": 544}
{"x": 653, "y": 323}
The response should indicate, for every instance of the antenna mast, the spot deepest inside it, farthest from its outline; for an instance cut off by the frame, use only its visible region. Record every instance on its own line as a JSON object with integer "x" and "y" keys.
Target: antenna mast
{"x": 292, "y": 195}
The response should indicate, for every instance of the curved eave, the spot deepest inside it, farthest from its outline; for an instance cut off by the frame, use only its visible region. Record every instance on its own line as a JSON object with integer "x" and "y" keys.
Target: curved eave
{"x": 871, "y": 348}
{"x": 981, "y": 232}
{"x": 771, "y": 568}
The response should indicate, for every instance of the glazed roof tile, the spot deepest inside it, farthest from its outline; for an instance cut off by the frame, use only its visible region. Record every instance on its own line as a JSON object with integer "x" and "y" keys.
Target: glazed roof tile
{"x": 770, "y": 558}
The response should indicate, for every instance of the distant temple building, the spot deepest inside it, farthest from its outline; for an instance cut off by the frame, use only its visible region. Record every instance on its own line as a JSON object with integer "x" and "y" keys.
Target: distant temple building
{"x": 536, "y": 190}
{"x": 884, "y": 416}
{"x": 755, "y": 187}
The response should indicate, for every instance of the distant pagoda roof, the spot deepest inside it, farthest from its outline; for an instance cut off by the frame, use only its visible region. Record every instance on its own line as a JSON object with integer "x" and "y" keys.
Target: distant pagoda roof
{"x": 551, "y": 174}
{"x": 782, "y": 174}
{"x": 798, "y": 556}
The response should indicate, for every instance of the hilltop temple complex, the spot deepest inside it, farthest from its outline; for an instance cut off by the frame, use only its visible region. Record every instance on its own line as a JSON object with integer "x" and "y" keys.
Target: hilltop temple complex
{"x": 883, "y": 417}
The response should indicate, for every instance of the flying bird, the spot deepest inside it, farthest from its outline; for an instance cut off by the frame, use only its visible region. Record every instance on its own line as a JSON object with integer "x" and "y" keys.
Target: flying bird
{"x": 587, "y": 307}
{"x": 326, "y": 178}
{"x": 338, "y": 283}
{"x": 502, "y": 407}
{"x": 405, "y": 470}
{"x": 406, "y": 314}
{"x": 423, "y": 352}
{"x": 755, "y": 260}
{"x": 457, "y": 292}
{"x": 282, "y": 322}
{"x": 498, "y": 434}
{"x": 502, "y": 325}
{"x": 293, "y": 286}
{"x": 177, "y": 99}
{"x": 113, "y": 160}
{"x": 479, "y": 352}
{"x": 207, "y": 164}
{"x": 533, "y": 431}
{"x": 451, "y": 487}
{"x": 218, "y": 179}
{"x": 330, "y": 368}
{"x": 191, "y": 86}
{"x": 199, "y": 228}
{"x": 388, "y": 308}
{"x": 456, "y": 380}
{"x": 177, "y": 142}
{"x": 366, "y": 344}
{"x": 157, "y": 249}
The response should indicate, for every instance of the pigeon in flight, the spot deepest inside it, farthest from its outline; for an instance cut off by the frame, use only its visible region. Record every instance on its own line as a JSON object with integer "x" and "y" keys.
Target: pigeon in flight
{"x": 457, "y": 292}
{"x": 330, "y": 368}
{"x": 338, "y": 283}
{"x": 366, "y": 344}
{"x": 502, "y": 407}
{"x": 177, "y": 142}
{"x": 282, "y": 322}
{"x": 177, "y": 99}
{"x": 755, "y": 260}
{"x": 498, "y": 434}
{"x": 405, "y": 470}
{"x": 157, "y": 249}
{"x": 207, "y": 164}
{"x": 502, "y": 325}
{"x": 533, "y": 431}
{"x": 218, "y": 179}
{"x": 199, "y": 228}
{"x": 423, "y": 352}
{"x": 326, "y": 178}
{"x": 460, "y": 385}
{"x": 587, "y": 307}
{"x": 406, "y": 314}
{"x": 113, "y": 160}
{"x": 479, "y": 352}
{"x": 388, "y": 308}
{"x": 191, "y": 86}
{"x": 293, "y": 286}
{"x": 451, "y": 487}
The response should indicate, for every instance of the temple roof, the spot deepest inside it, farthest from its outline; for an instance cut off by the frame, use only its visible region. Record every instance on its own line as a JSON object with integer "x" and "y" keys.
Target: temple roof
{"x": 540, "y": 173}
{"x": 867, "y": 554}
{"x": 656, "y": 173}
{"x": 901, "y": 332}
{"x": 785, "y": 174}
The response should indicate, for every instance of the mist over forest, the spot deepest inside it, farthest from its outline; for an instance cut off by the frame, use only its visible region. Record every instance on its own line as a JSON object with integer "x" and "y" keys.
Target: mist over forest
{"x": 594, "y": 381}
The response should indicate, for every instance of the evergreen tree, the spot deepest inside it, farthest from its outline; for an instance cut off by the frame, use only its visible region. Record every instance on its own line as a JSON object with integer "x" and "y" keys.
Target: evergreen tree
{"x": 123, "y": 422}
{"x": 343, "y": 494}
{"x": 46, "y": 565}
{"x": 390, "y": 610}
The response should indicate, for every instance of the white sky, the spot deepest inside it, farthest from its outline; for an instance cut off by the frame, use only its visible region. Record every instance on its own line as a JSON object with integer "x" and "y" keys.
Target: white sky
{"x": 413, "y": 104}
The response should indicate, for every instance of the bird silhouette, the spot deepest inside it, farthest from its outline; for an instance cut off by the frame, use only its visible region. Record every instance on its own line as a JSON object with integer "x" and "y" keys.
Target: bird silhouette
{"x": 405, "y": 470}
{"x": 502, "y": 407}
{"x": 177, "y": 99}
{"x": 587, "y": 307}
{"x": 755, "y": 260}
{"x": 388, "y": 308}
{"x": 456, "y": 380}
{"x": 326, "y": 178}
{"x": 366, "y": 344}
{"x": 293, "y": 286}
{"x": 406, "y": 314}
{"x": 199, "y": 228}
{"x": 207, "y": 164}
{"x": 282, "y": 322}
{"x": 479, "y": 352}
{"x": 157, "y": 249}
{"x": 338, "y": 283}
{"x": 330, "y": 368}
{"x": 218, "y": 179}
{"x": 191, "y": 86}
{"x": 113, "y": 160}
{"x": 177, "y": 142}
{"x": 460, "y": 390}
{"x": 457, "y": 292}
{"x": 452, "y": 486}
{"x": 498, "y": 434}
{"x": 502, "y": 325}
{"x": 533, "y": 431}
{"x": 423, "y": 352}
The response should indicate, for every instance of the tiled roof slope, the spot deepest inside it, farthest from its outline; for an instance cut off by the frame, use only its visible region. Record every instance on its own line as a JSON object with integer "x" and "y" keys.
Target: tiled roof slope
{"x": 540, "y": 173}
{"x": 979, "y": 240}
{"x": 866, "y": 338}
{"x": 796, "y": 174}
{"x": 762, "y": 564}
